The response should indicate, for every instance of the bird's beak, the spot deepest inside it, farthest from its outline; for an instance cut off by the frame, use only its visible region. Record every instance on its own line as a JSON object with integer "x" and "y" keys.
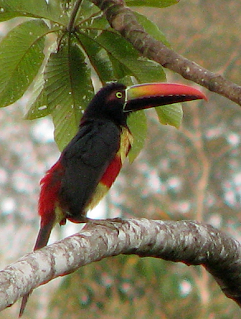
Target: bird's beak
{"x": 143, "y": 96}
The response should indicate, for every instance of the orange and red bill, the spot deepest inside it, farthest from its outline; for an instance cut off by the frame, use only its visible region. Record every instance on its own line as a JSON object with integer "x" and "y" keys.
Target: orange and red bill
{"x": 143, "y": 96}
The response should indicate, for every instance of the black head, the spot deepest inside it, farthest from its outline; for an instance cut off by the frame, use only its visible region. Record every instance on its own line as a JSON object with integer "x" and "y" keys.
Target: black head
{"x": 109, "y": 104}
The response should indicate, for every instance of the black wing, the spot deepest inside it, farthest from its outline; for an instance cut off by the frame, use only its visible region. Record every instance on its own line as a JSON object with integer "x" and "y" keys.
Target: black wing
{"x": 85, "y": 159}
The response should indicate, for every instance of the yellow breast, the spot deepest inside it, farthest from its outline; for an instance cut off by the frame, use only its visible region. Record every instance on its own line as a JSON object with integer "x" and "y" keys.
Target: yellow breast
{"x": 125, "y": 144}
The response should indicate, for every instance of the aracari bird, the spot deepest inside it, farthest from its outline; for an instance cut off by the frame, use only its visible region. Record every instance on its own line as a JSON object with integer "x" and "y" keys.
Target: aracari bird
{"x": 90, "y": 163}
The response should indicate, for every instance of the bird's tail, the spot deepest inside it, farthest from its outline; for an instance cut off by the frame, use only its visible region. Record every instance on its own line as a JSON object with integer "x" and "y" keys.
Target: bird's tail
{"x": 23, "y": 304}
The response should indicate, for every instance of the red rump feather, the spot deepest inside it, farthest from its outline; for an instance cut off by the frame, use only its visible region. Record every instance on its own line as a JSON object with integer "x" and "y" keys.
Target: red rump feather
{"x": 48, "y": 198}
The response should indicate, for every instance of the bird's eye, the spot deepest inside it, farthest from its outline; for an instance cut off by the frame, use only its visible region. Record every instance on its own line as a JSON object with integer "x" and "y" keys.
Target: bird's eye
{"x": 118, "y": 95}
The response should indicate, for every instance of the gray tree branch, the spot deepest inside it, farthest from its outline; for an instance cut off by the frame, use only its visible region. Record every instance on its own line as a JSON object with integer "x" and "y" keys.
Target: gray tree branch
{"x": 189, "y": 242}
{"x": 122, "y": 19}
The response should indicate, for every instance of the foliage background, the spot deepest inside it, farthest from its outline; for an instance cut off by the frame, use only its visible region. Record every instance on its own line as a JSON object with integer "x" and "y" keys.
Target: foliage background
{"x": 191, "y": 173}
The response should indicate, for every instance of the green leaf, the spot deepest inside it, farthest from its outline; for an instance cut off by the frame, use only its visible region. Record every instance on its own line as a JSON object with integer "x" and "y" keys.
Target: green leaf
{"x": 4, "y": 16}
{"x": 98, "y": 22}
{"x": 128, "y": 59}
{"x": 88, "y": 12}
{"x": 151, "y": 28}
{"x": 98, "y": 58}
{"x": 151, "y": 3}
{"x": 69, "y": 90}
{"x": 30, "y": 8}
{"x": 170, "y": 114}
{"x": 12, "y": 8}
{"x": 38, "y": 104}
{"x": 119, "y": 69}
{"x": 138, "y": 127}
{"x": 21, "y": 56}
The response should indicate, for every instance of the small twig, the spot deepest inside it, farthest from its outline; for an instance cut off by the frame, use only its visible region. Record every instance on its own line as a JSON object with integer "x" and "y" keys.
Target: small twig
{"x": 89, "y": 18}
{"x": 70, "y": 27}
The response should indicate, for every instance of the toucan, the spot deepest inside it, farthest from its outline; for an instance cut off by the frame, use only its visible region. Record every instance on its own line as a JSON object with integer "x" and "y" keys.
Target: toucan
{"x": 90, "y": 163}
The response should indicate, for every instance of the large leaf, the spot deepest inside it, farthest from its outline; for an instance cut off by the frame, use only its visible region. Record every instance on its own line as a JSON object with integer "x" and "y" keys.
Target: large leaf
{"x": 119, "y": 69}
{"x": 97, "y": 21}
{"x": 87, "y": 13}
{"x": 32, "y": 8}
{"x": 69, "y": 90}
{"x": 151, "y": 28}
{"x": 170, "y": 114}
{"x": 21, "y": 55}
{"x": 97, "y": 57}
{"x": 38, "y": 104}
{"x": 151, "y": 3}
{"x": 138, "y": 127}
{"x": 128, "y": 58}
